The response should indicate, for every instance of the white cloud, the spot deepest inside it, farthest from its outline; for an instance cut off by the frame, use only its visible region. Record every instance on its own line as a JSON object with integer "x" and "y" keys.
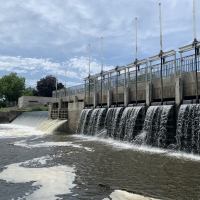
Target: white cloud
{"x": 47, "y": 37}
{"x": 31, "y": 83}
{"x": 76, "y": 68}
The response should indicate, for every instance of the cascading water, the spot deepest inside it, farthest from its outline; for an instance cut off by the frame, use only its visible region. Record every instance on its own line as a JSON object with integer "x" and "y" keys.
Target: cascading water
{"x": 112, "y": 121}
{"x": 128, "y": 121}
{"x": 155, "y": 125}
{"x": 32, "y": 119}
{"x": 96, "y": 121}
{"x": 158, "y": 127}
{"x": 100, "y": 120}
{"x": 83, "y": 121}
{"x": 188, "y": 130}
{"x": 93, "y": 121}
{"x": 51, "y": 126}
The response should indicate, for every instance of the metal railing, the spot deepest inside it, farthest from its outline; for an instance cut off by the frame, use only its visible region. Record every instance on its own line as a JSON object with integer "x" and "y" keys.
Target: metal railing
{"x": 151, "y": 73}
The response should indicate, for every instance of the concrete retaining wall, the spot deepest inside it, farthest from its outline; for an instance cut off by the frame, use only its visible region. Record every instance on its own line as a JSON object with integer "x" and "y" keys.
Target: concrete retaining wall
{"x": 74, "y": 110}
{"x": 7, "y": 117}
{"x": 149, "y": 92}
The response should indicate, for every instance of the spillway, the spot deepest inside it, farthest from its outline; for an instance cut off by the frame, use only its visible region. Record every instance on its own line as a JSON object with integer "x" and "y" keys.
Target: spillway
{"x": 32, "y": 119}
{"x": 156, "y": 126}
{"x": 117, "y": 123}
{"x": 39, "y": 121}
{"x": 188, "y": 129}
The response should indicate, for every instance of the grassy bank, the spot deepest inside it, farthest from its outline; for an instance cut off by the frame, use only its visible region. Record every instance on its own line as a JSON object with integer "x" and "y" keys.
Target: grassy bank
{"x": 38, "y": 108}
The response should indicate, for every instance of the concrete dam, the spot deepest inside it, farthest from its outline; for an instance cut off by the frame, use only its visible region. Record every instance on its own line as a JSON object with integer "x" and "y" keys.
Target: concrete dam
{"x": 142, "y": 102}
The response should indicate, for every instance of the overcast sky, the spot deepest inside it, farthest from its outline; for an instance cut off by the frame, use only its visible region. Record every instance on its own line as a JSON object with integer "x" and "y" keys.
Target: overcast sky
{"x": 40, "y": 38}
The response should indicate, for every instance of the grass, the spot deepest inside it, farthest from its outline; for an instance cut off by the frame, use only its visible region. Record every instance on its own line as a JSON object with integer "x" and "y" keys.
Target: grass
{"x": 37, "y": 108}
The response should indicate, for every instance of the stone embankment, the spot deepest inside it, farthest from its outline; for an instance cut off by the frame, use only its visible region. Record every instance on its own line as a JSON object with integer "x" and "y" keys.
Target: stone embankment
{"x": 7, "y": 117}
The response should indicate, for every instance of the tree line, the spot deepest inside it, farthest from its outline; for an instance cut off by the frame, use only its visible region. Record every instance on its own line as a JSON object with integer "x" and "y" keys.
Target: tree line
{"x": 12, "y": 87}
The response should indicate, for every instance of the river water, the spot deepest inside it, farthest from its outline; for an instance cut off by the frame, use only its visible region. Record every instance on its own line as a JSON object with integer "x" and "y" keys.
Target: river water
{"x": 34, "y": 165}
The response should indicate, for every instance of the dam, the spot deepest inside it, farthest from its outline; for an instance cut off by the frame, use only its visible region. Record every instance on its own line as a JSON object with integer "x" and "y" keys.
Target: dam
{"x": 144, "y": 103}
{"x": 135, "y": 134}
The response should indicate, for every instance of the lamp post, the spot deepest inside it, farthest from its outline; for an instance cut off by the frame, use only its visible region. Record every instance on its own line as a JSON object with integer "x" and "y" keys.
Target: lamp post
{"x": 101, "y": 70}
{"x": 195, "y": 49}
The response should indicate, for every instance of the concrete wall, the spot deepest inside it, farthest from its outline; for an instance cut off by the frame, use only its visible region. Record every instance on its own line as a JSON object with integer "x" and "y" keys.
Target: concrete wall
{"x": 31, "y": 101}
{"x": 7, "y": 117}
{"x": 168, "y": 88}
{"x": 146, "y": 92}
{"x": 74, "y": 110}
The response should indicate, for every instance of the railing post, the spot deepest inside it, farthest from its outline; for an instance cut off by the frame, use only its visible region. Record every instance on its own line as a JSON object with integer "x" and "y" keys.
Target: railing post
{"x": 108, "y": 86}
{"x": 94, "y": 85}
{"x": 128, "y": 78}
{"x": 161, "y": 80}
{"x": 151, "y": 72}
{"x": 85, "y": 94}
{"x": 196, "y": 75}
{"x": 101, "y": 90}
{"x": 174, "y": 67}
{"x": 124, "y": 77}
{"x": 146, "y": 73}
{"x": 89, "y": 90}
{"x": 151, "y": 86}
{"x": 117, "y": 90}
{"x": 181, "y": 66}
{"x": 136, "y": 84}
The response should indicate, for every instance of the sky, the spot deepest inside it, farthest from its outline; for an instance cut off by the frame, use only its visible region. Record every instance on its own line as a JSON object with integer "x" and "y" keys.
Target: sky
{"x": 48, "y": 37}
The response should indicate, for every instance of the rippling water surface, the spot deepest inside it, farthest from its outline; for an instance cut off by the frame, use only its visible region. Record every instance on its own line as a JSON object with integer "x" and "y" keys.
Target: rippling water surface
{"x": 44, "y": 166}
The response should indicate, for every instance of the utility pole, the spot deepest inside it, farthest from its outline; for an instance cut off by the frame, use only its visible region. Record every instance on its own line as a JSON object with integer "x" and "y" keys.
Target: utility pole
{"x": 101, "y": 70}
{"x": 136, "y": 60}
{"x": 196, "y": 50}
{"x": 89, "y": 70}
{"x": 161, "y": 54}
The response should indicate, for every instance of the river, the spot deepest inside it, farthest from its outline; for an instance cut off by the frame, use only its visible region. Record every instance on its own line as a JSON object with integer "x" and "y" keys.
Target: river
{"x": 37, "y": 165}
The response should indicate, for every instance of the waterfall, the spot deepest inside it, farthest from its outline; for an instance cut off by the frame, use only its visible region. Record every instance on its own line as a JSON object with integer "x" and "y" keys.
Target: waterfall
{"x": 127, "y": 124}
{"x": 93, "y": 121}
{"x": 51, "y": 126}
{"x": 156, "y": 129}
{"x": 188, "y": 130}
{"x": 101, "y": 120}
{"x": 96, "y": 121}
{"x": 83, "y": 121}
{"x": 112, "y": 121}
{"x": 155, "y": 125}
{"x": 32, "y": 119}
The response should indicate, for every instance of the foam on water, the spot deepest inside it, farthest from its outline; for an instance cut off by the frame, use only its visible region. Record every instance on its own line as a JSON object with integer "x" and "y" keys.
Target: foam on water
{"x": 119, "y": 145}
{"x": 13, "y": 131}
{"x": 51, "y": 181}
{"x": 23, "y": 143}
{"x": 123, "y": 195}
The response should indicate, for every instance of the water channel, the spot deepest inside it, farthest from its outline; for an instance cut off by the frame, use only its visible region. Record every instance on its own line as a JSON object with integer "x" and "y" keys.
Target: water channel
{"x": 35, "y": 165}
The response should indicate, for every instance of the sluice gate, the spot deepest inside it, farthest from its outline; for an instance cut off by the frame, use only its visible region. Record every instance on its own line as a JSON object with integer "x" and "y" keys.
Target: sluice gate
{"x": 160, "y": 85}
{"x": 156, "y": 126}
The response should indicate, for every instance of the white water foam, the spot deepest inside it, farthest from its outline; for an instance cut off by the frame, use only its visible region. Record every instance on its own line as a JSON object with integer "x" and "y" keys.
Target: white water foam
{"x": 50, "y": 144}
{"x": 51, "y": 181}
{"x": 123, "y": 195}
{"x": 13, "y": 131}
{"x": 119, "y": 145}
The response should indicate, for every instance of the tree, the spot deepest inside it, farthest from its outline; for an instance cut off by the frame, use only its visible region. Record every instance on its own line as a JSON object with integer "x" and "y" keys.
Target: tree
{"x": 28, "y": 91}
{"x": 46, "y": 85}
{"x": 12, "y": 87}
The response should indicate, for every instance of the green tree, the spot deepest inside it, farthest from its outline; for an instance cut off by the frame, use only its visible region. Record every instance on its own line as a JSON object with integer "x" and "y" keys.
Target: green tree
{"x": 12, "y": 87}
{"x": 29, "y": 91}
{"x": 46, "y": 85}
